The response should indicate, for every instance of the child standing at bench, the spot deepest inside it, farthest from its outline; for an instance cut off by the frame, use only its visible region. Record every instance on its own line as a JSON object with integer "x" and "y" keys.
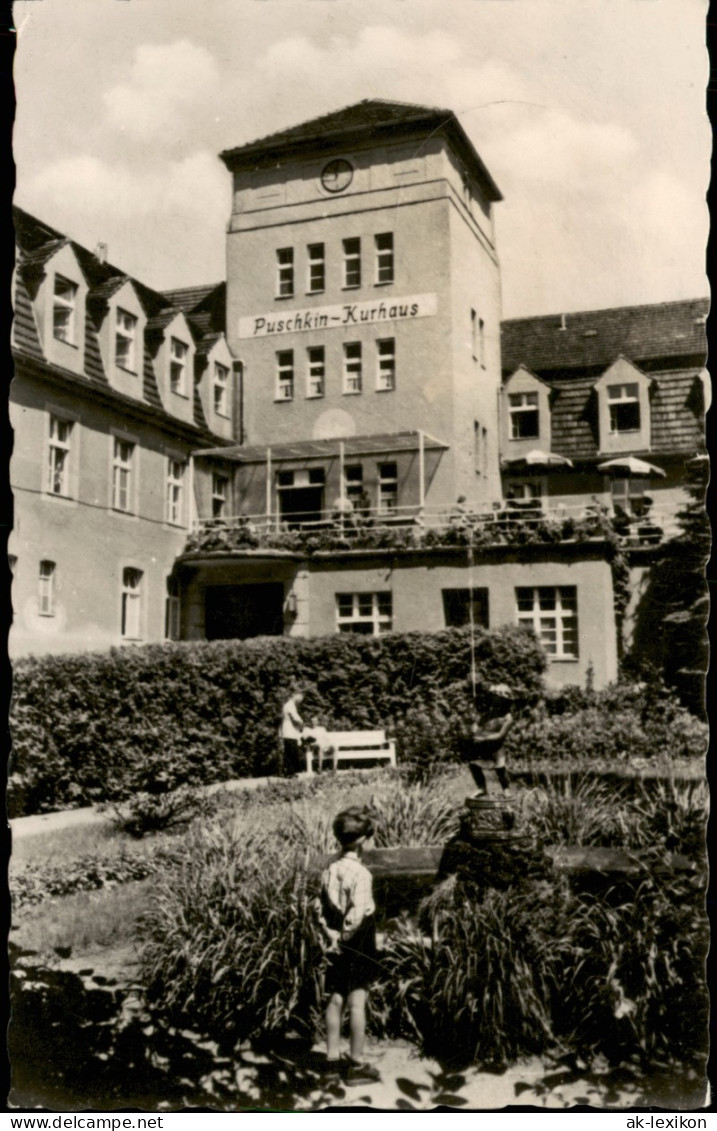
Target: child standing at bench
{"x": 347, "y": 911}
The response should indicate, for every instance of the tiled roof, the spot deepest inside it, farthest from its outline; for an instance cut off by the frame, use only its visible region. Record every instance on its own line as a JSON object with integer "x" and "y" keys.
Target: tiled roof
{"x": 94, "y": 369}
{"x": 162, "y": 319}
{"x": 36, "y": 244}
{"x": 207, "y": 343}
{"x": 109, "y": 287}
{"x": 36, "y": 259}
{"x": 150, "y": 390}
{"x": 25, "y": 336}
{"x": 368, "y": 112}
{"x": 676, "y": 415}
{"x": 187, "y": 298}
{"x": 374, "y": 116}
{"x": 205, "y": 308}
{"x": 593, "y": 339}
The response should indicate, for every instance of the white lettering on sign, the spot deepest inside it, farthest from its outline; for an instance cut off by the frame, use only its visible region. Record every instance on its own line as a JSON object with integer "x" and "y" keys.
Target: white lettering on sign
{"x": 342, "y": 315}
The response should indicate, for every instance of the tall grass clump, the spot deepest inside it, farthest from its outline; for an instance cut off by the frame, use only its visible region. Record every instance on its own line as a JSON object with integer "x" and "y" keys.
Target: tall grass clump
{"x": 231, "y": 943}
{"x": 412, "y": 816}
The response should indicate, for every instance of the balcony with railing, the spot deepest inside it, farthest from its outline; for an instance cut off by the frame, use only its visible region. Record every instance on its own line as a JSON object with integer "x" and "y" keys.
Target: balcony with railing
{"x": 509, "y": 523}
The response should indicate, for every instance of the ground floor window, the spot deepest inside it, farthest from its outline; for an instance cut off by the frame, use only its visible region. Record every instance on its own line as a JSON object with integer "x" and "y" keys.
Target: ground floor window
{"x": 465, "y": 606}
{"x": 370, "y": 614}
{"x": 46, "y": 589}
{"x": 552, "y": 612}
{"x": 131, "y": 604}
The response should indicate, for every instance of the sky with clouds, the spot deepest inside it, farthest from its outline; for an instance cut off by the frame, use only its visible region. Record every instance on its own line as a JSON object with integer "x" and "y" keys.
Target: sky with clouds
{"x": 590, "y": 116}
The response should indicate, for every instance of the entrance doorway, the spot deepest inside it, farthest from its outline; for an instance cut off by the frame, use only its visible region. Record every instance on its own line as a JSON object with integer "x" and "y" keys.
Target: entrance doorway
{"x": 236, "y": 612}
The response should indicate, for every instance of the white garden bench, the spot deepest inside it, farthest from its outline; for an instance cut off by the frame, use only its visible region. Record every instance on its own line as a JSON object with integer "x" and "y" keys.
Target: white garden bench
{"x": 337, "y": 746}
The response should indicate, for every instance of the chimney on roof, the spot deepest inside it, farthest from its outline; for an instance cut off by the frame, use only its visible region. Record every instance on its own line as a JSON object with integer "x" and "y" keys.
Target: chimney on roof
{"x": 563, "y": 324}
{"x": 101, "y": 252}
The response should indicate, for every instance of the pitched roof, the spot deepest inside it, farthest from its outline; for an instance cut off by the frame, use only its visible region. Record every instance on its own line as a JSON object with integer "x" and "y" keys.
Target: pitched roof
{"x": 592, "y": 340}
{"x": 205, "y": 309}
{"x": 37, "y": 242}
{"x": 374, "y": 117}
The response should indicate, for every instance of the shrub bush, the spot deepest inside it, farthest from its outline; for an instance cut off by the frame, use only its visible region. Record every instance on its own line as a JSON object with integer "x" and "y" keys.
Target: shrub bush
{"x": 147, "y": 813}
{"x": 621, "y": 723}
{"x": 101, "y": 727}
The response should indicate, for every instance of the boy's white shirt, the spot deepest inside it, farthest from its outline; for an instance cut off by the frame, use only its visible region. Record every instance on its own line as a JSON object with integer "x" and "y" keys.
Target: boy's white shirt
{"x": 349, "y": 886}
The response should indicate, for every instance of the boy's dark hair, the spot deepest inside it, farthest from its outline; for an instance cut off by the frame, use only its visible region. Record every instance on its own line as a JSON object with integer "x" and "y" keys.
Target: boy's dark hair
{"x": 352, "y": 825}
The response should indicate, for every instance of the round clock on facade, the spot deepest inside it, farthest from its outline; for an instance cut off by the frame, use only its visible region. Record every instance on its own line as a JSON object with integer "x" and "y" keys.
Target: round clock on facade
{"x": 337, "y": 175}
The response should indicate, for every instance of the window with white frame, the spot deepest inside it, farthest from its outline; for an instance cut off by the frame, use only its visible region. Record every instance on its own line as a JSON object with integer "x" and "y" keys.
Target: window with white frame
{"x": 131, "y": 612}
{"x": 174, "y": 505}
{"x": 369, "y": 614}
{"x": 172, "y": 610}
{"x": 178, "y": 352}
{"x": 220, "y": 389}
{"x": 386, "y": 373}
{"x": 285, "y": 375}
{"x": 628, "y": 493}
{"x": 384, "y": 257}
{"x": 59, "y": 456}
{"x": 46, "y": 589}
{"x": 524, "y": 416}
{"x": 122, "y": 467}
{"x": 285, "y": 272}
{"x": 352, "y": 262}
{"x": 317, "y": 268}
{"x": 126, "y": 341}
{"x": 64, "y": 308}
{"x": 353, "y": 482}
{"x": 220, "y": 492}
{"x": 624, "y": 407}
{"x": 524, "y": 490}
{"x": 316, "y": 377}
{"x": 387, "y": 488}
{"x": 477, "y": 338}
{"x": 552, "y": 613}
{"x": 353, "y": 367}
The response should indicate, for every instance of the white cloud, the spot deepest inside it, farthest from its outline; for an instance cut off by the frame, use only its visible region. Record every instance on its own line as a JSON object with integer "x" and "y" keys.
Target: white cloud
{"x": 165, "y": 81}
{"x": 164, "y": 224}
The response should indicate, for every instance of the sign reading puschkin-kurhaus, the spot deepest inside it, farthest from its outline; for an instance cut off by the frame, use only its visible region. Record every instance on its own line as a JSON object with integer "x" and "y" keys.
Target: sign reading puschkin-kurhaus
{"x": 339, "y": 315}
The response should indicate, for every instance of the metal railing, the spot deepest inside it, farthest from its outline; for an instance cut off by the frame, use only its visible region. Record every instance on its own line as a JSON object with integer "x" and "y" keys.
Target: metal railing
{"x": 503, "y": 522}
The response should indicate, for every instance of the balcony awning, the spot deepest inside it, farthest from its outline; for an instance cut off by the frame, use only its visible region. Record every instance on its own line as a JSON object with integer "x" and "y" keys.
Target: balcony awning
{"x": 353, "y": 446}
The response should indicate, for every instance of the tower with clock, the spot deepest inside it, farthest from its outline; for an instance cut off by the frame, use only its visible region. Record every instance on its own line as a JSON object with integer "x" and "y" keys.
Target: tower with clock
{"x": 363, "y": 299}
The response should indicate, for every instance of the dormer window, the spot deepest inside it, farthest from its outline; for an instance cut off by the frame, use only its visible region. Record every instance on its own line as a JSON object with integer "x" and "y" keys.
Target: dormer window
{"x": 623, "y": 403}
{"x": 64, "y": 307}
{"x": 178, "y": 367}
{"x": 220, "y": 389}
{"x": 524, "y": 416}
{"x": 126, "y": 341}
{"x": 624, "y": 408}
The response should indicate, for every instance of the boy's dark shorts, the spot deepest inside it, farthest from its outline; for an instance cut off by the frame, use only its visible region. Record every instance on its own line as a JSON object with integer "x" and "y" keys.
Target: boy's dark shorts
{"x": 357, "y": 964}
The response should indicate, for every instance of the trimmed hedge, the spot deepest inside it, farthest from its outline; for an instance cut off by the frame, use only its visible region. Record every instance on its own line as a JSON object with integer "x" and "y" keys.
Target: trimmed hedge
{"x": 99, "y": 727}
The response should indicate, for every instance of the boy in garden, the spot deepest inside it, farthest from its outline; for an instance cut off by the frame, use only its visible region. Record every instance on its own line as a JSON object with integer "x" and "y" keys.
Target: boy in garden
{"x": 347, "y": 911}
